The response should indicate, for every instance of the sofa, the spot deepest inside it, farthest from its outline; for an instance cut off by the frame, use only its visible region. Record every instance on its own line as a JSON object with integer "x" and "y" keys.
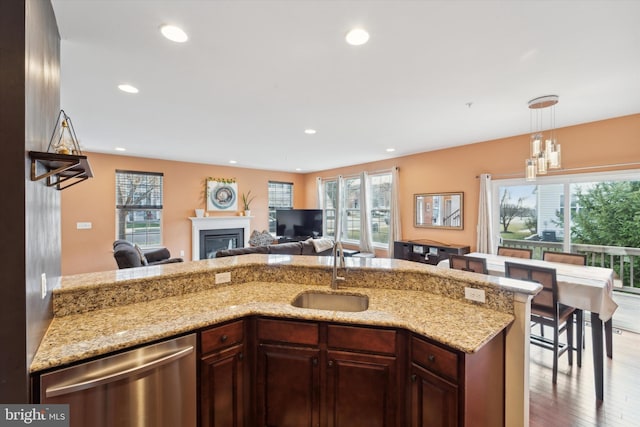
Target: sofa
{"x": 307, "y": 247}
{"x": 130, "y": 255}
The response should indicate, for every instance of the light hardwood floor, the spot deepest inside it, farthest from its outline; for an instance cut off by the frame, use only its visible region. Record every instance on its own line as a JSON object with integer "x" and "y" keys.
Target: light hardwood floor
{"x": 572, "y": 402}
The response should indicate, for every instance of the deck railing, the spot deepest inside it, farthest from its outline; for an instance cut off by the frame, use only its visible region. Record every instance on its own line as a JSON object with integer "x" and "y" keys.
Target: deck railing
{"x": 624, "y": 261}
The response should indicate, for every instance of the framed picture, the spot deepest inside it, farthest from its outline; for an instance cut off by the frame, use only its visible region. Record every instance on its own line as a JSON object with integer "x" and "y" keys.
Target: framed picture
{"x": 438, "y": 210}
{"x": 222, "y": 195}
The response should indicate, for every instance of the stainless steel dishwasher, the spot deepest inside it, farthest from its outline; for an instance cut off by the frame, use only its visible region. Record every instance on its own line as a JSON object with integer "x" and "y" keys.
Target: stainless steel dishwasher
{"x": 153, "y": 386}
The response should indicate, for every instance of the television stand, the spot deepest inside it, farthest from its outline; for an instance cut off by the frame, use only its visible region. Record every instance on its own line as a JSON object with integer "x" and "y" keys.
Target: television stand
{"x": 426, "y": 251}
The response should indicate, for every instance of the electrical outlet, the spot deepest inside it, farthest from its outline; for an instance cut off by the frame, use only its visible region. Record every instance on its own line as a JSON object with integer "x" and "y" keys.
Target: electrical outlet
{"x": 43, "y": 285}
{"x": 223, "y": 277}
{"x": 83, "y": 225}
{"x": 474, "y": 294}
{"x": 182, "y": 252}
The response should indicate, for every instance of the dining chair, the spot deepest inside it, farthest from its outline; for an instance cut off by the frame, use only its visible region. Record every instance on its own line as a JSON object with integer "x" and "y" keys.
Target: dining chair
{"x": 546, "y": 310}
{"x": 576, "y": 259}
{"x": 564, "y": 257}
{"x": 515, "y": 252}
{"x": 468, "y": 263}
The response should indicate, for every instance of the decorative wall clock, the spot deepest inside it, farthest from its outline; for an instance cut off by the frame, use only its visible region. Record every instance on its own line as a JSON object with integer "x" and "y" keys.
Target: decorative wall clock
{"x": 222, "y": 194}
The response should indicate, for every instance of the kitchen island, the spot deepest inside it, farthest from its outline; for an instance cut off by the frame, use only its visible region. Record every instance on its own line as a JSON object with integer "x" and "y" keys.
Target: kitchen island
{"x": 100, "y": 313}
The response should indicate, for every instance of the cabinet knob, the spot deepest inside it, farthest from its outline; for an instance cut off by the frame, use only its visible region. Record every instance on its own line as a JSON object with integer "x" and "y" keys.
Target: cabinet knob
{"x": 224, "y": 338}
{"x": 240, "y": 356}
{"x": 431, "y": 358}
{"x": 330, "y": 363}
{"x": 314, "y": 361}
{"x": 414, "y": 377}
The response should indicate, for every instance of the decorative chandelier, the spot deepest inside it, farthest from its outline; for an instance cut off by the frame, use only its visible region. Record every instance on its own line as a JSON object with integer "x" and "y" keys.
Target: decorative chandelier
{"x": 545, "y": 150}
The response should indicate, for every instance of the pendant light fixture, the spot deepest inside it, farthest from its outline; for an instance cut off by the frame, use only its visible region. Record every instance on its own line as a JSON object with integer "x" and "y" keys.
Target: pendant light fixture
{"x": 545, "y": 149}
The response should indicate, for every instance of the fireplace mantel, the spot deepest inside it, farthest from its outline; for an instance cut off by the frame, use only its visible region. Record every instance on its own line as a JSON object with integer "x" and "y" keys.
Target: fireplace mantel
{"x": 216, "y": 223}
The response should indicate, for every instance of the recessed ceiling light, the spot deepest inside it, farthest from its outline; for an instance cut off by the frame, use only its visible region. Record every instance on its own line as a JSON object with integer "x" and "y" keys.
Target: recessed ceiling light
{"x": 120, "y": 149}
{"x": 390, "y": 150}
{"x": 298, "y": 169}
{"x": 310, "y": 131}
{"x": 233, "y": 162}
{"x": 173, "y": 33}
{"x": 128, "y": 88}
{"x": 357, "y": 37}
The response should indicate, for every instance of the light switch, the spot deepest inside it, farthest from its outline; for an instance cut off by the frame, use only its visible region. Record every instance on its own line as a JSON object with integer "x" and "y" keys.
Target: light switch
{"x": 83, "y": 225}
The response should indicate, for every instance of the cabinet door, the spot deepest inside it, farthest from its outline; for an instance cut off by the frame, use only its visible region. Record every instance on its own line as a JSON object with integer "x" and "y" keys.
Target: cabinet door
{"x": 434, "y": 401}
{"x": 361, "y": 390}
{"x": 221, "y": 388}
{"x": 288, "y": 381}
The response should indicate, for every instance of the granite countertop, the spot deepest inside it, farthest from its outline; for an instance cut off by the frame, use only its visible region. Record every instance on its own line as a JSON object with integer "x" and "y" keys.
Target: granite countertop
{"x": 76, "y": 337}
{"x": 99, "y": 313}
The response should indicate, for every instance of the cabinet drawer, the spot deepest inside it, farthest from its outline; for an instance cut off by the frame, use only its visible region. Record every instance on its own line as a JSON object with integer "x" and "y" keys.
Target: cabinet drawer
{"x": 222, "y": 336}
{"x": 434, "y": 358}
{"x": 288, "y": 331}
{"x": 361, "y": 339}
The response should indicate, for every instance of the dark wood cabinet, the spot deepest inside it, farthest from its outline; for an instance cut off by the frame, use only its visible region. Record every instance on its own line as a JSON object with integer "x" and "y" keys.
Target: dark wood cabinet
{"x": 450, "y": 388}
{"x": 318, "y": 374}
{"x": 222, "y": 376}
{"x": 271, "y": 372}
{"x": 288, "y": 386}
{"x": 362, "y": 376}
{"x": 361, "y": 390}
{"x": 434, "y": 401}
{"x": 426, "y": 251}
{"x": 287, "y": 373}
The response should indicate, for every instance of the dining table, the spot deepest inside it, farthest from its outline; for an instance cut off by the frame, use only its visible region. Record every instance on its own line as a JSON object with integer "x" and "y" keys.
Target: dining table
{"x": 584, "y": 287}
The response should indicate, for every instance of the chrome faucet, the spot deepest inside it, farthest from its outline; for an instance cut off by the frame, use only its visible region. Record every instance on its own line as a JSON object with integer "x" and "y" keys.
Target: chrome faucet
{"x": 338, "y": 251}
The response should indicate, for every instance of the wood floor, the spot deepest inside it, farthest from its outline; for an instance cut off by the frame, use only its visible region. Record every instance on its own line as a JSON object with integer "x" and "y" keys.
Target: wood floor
{"x": 572, "y": 402}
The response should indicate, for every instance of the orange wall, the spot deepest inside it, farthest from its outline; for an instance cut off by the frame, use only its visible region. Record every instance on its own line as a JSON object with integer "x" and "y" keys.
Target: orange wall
{"x": 593, "y": 144}
{"x": 455, "y": 169}
{"x": 94, "y": 201}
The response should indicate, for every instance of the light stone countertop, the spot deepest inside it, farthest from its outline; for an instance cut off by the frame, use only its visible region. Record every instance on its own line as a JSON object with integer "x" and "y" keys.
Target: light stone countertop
{"x": 425, "y": 300}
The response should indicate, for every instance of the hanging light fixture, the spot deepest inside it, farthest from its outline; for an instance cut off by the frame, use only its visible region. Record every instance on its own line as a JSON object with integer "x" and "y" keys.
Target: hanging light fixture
{"x": 545, "y": 150}
{"x": 63, "y": 139}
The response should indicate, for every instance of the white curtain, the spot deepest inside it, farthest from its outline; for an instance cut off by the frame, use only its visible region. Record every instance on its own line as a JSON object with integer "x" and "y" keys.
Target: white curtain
{"x": 320, "y": 202}
{"x": 366, "y": 238}
{"x": 395, "y": 227}
{"x": 319, "y": 193}
{"x": 339, "y": 204}
{"x": 485, "y": 241}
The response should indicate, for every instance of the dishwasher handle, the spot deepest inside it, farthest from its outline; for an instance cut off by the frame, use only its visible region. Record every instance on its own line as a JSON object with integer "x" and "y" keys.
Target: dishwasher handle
{"x": 115, "y": 376}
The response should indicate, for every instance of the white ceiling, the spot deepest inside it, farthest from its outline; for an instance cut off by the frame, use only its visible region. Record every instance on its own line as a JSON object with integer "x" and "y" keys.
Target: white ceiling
{"x": 255, "y": 74}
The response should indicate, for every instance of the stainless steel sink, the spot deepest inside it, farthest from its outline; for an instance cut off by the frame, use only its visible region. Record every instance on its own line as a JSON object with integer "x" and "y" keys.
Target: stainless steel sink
{"x": 333, "y": 302}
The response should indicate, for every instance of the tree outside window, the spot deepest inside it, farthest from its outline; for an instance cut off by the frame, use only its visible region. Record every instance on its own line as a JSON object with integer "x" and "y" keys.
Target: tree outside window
{"x": 592, "y": 214}
{"x": 139, "y": 207}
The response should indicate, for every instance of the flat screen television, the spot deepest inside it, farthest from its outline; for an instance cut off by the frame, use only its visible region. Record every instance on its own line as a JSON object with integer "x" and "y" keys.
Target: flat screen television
{"x": 299, "y": 223}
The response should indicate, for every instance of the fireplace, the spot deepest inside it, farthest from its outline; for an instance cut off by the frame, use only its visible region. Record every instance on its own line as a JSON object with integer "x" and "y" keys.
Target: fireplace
{"x": 211, "y": 241}
{"x": 221, "y": 224}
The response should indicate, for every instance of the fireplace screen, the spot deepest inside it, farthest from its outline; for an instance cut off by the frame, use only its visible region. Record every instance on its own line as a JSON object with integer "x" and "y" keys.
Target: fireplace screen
{"x": 212, "y": 241}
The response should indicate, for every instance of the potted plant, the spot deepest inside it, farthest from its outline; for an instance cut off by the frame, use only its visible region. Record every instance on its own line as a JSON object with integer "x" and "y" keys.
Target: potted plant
{"x": 247, "y": 198}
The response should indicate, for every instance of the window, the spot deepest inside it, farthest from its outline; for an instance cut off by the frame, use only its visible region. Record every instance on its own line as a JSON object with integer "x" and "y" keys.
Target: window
{"x": 330, "y": 203}
{"x": 594, "y": 214}
{"x": 280, "y": 197}
{"x": 351, "y": 229}
{"x": 380, "y": 208}
{"x": 139, "y": 207}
